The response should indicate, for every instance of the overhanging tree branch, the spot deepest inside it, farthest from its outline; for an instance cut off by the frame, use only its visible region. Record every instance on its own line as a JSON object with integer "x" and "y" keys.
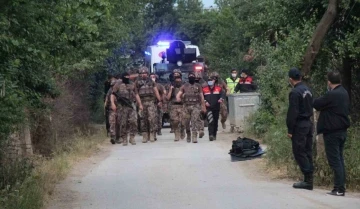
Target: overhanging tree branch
{"x": 318, "y": 36}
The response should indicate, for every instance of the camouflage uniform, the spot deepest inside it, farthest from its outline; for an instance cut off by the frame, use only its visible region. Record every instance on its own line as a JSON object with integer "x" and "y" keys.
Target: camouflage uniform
{"x": 167, "y": 106}
{"x": 113, "y": 116}
{"x": 127, "y": 116}
{"x": 148, "y": 123}
{"x": 160, "y": 111}
{"x": 203, "y": 83}
{"x": 223, "y": 105}
{"x": 192, "y": 109}
{"x": 176, "y": 115}
{"x": 176, "y": 72}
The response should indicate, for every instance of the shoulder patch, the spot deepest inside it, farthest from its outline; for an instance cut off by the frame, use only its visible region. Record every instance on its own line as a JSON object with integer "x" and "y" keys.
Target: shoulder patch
{"x": 307, "y": 92}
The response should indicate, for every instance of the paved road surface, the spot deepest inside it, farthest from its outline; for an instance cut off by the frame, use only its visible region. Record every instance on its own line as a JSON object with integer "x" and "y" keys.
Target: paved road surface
{"x": 169, "y": 175}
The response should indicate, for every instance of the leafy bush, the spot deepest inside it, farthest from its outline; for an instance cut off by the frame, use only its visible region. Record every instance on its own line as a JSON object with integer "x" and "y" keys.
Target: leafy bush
{"x": 260, "y": 122}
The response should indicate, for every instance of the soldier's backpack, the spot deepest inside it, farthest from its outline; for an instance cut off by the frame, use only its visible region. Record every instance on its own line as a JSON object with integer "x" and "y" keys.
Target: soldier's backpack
{"x": 244, "y": 147}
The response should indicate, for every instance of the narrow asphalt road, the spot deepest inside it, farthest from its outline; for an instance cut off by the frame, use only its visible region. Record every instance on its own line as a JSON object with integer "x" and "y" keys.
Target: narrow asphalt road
{"x": 178, "y": 175}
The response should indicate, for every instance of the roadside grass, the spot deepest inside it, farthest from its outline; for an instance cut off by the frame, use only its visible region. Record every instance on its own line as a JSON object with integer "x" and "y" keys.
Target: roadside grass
{"x": 43, "y": 174}
{"x": 280, "y": 163}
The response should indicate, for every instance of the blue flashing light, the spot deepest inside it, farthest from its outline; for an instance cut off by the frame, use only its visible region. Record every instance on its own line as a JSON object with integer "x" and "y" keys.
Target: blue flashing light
{"x": 163, "y": 43}
{"x": 147, "y": 53}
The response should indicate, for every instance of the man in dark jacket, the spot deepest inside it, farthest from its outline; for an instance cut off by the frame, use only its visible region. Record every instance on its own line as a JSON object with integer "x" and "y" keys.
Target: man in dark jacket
{"x": 333, "y": 123}
{"x": 214, "y": 95}
{"x": 300, "y": 127}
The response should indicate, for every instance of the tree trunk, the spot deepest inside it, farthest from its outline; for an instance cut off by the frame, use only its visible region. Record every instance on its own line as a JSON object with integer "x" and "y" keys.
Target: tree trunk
{"x": 346, "y": 75}
{"x": 318, "y": 36}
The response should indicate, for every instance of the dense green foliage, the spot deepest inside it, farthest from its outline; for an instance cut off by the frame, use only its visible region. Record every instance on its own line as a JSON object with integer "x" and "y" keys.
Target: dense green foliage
{"x": 51, "y": 53}
{"x": 45, "y": 42}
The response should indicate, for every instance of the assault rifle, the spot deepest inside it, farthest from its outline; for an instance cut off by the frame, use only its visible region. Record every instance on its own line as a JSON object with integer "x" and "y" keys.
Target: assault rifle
{"x": 124, "y": 101}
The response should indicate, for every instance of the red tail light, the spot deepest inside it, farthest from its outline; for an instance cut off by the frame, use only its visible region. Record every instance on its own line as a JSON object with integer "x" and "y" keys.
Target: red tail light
{"x": 198, "y": 68}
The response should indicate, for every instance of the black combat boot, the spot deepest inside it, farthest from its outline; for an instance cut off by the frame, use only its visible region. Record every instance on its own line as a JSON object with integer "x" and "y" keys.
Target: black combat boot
{"x": 188, "y": 137}
{"x": 306, "y": 184}
{"x": 182, "y": 134}
{"x": 194, "y": 137}
{"x": 112, "y": 139}
{"x": 201, "y": 134}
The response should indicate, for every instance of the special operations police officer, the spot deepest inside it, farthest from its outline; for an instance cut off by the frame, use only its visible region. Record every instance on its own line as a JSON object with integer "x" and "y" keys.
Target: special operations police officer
{"x": 200, "y": 80}
{"x": 177, "y": 109}
{"x": 300, "y": 127}
{"x": 149, "y": 96}
{"x": 172, "y": 76}
{"x": 193, "y": 105}
{"x": 160, "y": 110}
{"x": 107, "y": 104}
{"x": 223, "y": 105}
{"x": 124, "y": 93}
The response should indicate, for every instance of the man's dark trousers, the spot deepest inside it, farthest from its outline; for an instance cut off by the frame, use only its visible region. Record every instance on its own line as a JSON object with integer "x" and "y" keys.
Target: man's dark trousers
{"x": 213, "y": 121}
{"x": 302, "y": 141}
{"x": 334, "y": 147}
{"x": 227, "y": 104}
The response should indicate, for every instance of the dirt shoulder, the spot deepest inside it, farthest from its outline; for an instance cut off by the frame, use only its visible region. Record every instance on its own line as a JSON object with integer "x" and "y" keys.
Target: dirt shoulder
{"x": 63, "y": 196}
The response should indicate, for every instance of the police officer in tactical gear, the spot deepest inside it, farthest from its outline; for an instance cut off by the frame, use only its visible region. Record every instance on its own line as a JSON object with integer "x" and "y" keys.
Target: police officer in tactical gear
{"x": 177, "y": 108}
{"x": 150, "y": 99}
{"x": 107, "y": 104}
{"x": 223, "y": 104}
{"x": 200, "y": 80}
{"x": 300, "y": 127}
{"x": 160, "y": 110}
{"x": 193, "y": 105}
{"x": 176, "y": 73}
{"x": 114, "y": 126}
{"x": 124, "y": 93}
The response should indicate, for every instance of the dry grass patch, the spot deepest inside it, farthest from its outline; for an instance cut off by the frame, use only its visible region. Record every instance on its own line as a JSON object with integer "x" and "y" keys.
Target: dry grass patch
{"x": 41, "y": 181}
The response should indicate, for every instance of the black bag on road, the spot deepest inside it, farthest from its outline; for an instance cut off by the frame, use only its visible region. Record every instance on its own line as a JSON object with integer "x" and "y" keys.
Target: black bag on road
{"x": 244, "y": 147}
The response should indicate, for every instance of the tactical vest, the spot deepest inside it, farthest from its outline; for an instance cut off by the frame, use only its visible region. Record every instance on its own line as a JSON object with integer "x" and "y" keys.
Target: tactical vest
{"x": 232, "y": 84}
{"x": 126, "y": 91}
{"x": 146, "y": 90}
{"x": 192, "y": 92}
{"x": 175, "y": 91}
{"x": 161, "y": 89}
